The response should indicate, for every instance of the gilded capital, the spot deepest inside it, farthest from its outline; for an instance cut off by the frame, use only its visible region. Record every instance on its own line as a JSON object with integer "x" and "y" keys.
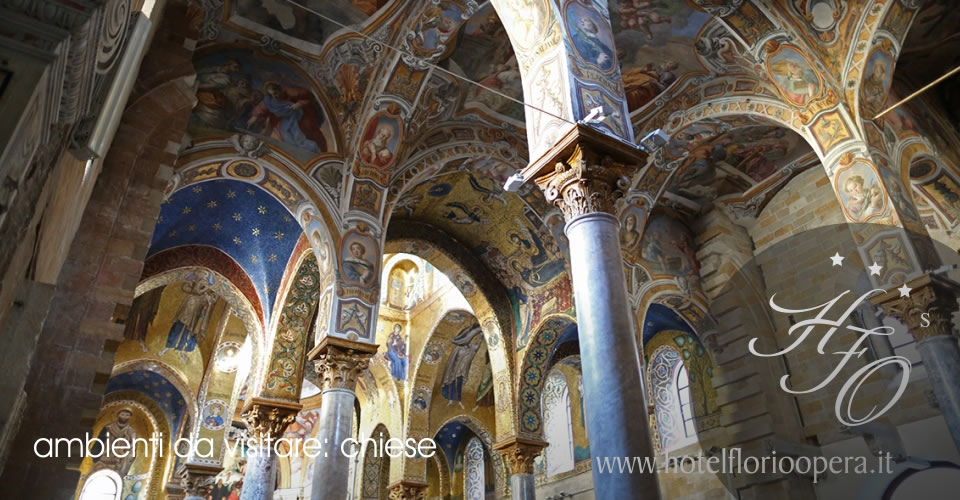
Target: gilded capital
{"x": 404, "y": 490}
{"x": 587, "y": 171}
{"x": 927, "y": 312}
{"x": 338, "y": 367}
{"x": 197, "y": 480}
{"x": 519, "y": 453}
{"x": 268, "y": 418}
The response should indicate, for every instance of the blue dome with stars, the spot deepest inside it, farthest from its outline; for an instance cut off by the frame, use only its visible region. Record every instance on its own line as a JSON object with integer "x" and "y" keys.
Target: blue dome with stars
{"x": 239, "y": 219}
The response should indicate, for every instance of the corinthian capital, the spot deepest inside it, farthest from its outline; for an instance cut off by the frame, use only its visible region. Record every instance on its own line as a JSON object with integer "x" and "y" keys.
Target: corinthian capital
{"x": 339, "y": 362}
{"x": 519, "y": 453}
{"x": 268, "y": 418}
{"x": 405, "y": 490}
{"x": 927, "y": 311}
{"x": 586, "y": 171}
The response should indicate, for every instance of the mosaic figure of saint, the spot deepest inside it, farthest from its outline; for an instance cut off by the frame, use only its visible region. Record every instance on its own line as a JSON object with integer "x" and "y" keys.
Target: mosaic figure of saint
{"x": 118, "y": 429}
{"x": 466, "y": 344}
{"x": 192, "y": 318}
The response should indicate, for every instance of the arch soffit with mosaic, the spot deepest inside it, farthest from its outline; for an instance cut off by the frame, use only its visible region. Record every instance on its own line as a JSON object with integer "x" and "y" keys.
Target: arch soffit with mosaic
{"x": 533, "y": 372}
{"x": 158, "y": 475}
{"x": 237, "y": 301}
{"x": 484, "y": 294}
{"x": 169, "y": 373}
{"x": 477, "y": 427}
{"x": 694, "y": 312}
{"x": 422, "y": 382}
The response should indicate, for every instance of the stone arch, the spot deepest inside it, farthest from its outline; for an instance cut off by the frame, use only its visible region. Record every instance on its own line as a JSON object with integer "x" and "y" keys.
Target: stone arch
{"x": 694, "y": 311}
{"x": 423, "y": 380}
{"x": 483, "y": 293}
{"x": 228, "y": 291}
{"x": 283, "y": 374}
{"x": 422, "y": 165}
{"x": 477, "y": 427}
{"x": 376, "y": 469}
{"x": 533, "y": 371}
{"x": 168, "y": 373}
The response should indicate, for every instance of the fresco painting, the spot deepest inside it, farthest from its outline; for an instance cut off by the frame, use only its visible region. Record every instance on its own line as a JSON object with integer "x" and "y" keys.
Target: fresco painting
{"x": 655, "y": 45}
{"x": 240, "y": 90}
{"x": 796, "y": 79}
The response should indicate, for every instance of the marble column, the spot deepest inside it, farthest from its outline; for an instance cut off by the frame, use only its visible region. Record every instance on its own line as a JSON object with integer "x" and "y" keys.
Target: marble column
{"x": 338, "y": 364}
{"x": 928, "y": 313}
{"x": 584, "y": 174}
{"x": 407, "y": 490}
{"x": 197, "y": 481}
{"x": 519, "y": 454}
{"x": 266, "y": 420}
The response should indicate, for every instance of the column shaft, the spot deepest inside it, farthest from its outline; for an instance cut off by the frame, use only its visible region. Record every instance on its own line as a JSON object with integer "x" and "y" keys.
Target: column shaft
{"x": 522, "y": 487}
{"x": 260, "y": 474}
{"x": 331, "y": 469}
{"x": 941, "y": 356}
{"x": 613, "y": 390}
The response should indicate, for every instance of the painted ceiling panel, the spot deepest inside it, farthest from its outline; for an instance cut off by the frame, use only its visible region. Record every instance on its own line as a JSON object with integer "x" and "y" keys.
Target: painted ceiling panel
{"x": 659, "y": 318}
{"x": 156, "y": 387}
{"x": 237, "y": 218}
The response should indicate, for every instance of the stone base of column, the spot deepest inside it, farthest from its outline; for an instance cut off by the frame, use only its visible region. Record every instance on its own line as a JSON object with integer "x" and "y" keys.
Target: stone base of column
{"x": 407, "y": 490}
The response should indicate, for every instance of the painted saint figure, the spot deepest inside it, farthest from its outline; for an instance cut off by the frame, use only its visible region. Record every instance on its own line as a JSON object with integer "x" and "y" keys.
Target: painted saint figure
{"x": 466, "y": 344}
{"x": 215, "y": 419}
{"x": 397, "y": 353}
{"x": 290, "y": 115}
{"x": 192, "y": 318}
{"x": 586, "y": 37}
{"x": 798, "y": 84}
{"x": 355, "y": 267}
{"x": 862, "y": 201}
{"x": 376, "y": 148}
{"x": 118, "y": 429}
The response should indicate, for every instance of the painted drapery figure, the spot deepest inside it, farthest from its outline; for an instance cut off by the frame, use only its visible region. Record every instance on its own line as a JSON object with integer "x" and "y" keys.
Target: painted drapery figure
{"x": 397, "y": 353}
{"x": 290, "y": 116}
{"x": 193, "y": 316}
{"x": 118, "y": 429}
{"x": 466, "y": 344}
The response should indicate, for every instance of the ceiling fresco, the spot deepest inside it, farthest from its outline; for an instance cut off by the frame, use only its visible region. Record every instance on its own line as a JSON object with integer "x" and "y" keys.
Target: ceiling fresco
{"x": 294, "y": 21}
{"x": 718, "y": 159}
{"x": 237, "y": 218}
{"x": 156, "y": 387}
{"x": 243, "y": 91}
{"x": 655, "y": 45}
{"x": 485, "y": 55}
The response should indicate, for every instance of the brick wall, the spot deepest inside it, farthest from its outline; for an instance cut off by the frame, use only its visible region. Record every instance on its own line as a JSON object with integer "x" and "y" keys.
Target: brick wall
{"x": 74, "y": 355}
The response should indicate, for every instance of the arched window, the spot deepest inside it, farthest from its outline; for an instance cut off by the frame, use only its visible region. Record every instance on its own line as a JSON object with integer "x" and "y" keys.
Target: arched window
{"x": 557, "y": 424}
{"x": 473, "y": 483}
{"x": 670, "y": 387}
{"x": 102, "y": 485}
{"x": 686, "y": 405}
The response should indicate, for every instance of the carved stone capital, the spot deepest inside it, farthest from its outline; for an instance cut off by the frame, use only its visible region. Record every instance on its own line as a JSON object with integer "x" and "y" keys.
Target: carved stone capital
{"x": 519, "y": 453}
{"x": 927, "y": 312}
{"x": 268, "y": 418}
{"x": 197, "y": 480}
{"x": 339, "y": 363}
{"x": 586, "y": 171}
{"x": 405, "y": 490}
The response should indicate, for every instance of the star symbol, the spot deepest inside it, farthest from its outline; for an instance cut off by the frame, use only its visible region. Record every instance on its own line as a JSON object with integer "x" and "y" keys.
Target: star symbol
{"x": 217, "y": 226}
{"x": 237, "y": 240}
{"x": 187, "y": 210}
{"x": 904, "y": 290}
{"x": 237, "y": 217}
{"x": 256, "y": 231}
{"x": 262, "y": 210}
{"x": 253, "y": 258}
{"x": 212, "y": 204}
{"x": 197, "y": 189}
{"x": 875, "y": 269}
{"x": 837, "y": 259}
{"x": 231, "y": 194}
